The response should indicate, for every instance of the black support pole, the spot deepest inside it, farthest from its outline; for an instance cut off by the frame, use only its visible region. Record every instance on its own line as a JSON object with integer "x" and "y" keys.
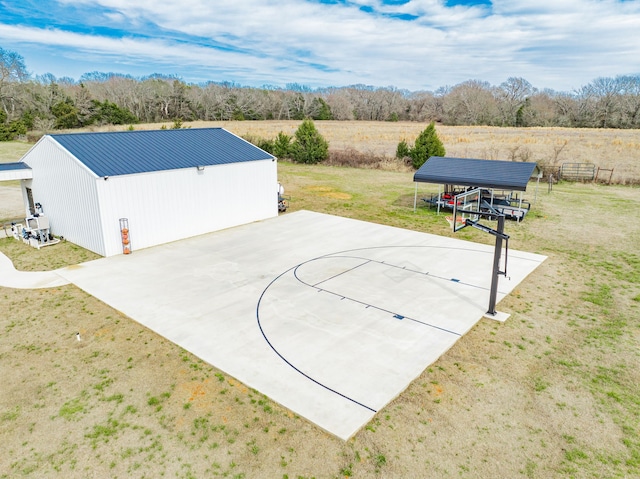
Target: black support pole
{"x": 496, "y": 266}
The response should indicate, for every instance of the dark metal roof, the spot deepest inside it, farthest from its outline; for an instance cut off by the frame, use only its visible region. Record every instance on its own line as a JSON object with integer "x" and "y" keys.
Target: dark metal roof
{"x": 15, "y": 171}
{"x": 14, "y": 166}
{"x": 130, "y": 152}
{"x": 507, "y": 175}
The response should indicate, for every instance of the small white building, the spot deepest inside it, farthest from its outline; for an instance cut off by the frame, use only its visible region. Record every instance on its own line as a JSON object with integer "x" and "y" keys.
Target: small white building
{"x": 168, "y": 184}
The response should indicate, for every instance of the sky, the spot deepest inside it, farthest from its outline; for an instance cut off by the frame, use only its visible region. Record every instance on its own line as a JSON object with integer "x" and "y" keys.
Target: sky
{"x": 407, "y": 44}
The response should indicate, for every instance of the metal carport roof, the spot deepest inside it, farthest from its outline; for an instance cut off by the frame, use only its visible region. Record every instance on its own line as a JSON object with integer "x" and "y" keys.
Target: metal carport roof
{"x": 507, "y": 175}
{"x": 15, "y": 171}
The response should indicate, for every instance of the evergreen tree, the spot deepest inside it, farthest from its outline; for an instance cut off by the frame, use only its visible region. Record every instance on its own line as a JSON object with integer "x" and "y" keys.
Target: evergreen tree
{"x": 10, "y": 130}
{"x": 320, "y": 110}
{"x": 266, "y": 145}
{"x": 403, "y": 150}
{"x": 110, "y": 113}
{"x": 67, "y": 115}
{"x": 282, "y": 145}
{"x": 427, "y": 145}
{"x": 308, "y": 145}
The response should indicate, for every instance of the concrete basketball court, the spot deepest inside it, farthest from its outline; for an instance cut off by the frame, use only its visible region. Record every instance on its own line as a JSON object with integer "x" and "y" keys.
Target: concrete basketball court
{"x": 328, "y": 316}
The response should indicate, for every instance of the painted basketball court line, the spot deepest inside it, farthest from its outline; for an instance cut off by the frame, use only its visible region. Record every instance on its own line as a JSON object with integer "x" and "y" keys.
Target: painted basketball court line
{"x": 328, "y": 316}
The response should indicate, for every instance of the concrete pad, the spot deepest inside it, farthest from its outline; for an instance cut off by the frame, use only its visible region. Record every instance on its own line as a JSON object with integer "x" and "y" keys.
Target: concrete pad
{"x": 11, "y": 278}
{"x": 498, "y": 316}
{"x": 330, "y": 317}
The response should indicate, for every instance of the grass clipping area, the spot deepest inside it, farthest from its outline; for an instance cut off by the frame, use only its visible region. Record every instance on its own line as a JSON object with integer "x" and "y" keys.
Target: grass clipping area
{"x": 553, "y": 392}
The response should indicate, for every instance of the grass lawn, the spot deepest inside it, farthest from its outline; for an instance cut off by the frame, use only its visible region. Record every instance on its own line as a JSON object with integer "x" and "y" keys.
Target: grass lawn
{"x": 553, "y": 392}
{"x": 11, "y": 151}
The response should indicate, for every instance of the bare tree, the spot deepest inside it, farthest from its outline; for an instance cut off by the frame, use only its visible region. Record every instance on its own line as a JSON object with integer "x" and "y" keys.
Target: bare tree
{"x": 393, "y": 102}
{"x": 160, "y": 97}
{"x": 566, "y": 109}
{"x": 605, "y": 102}
{"x": 605, "y": 93}
{"x": 424, "y": 106}
{"x": 512, "y": 96}
{"x": 470, "y": 103}
{"x": 630, "y": 101}
{"x": 376, "y": 104}
{"x": 543, "y": 110}
{"x": 45, "y": 91}
{"x": 83, "y": 101}
{"x": 361, "y": 99}
{"x": 12, "y": 70}
{"x": 340, "y": 103}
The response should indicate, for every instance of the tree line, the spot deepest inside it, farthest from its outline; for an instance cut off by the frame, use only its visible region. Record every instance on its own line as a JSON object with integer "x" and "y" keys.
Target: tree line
{"x": 45, "y": 103}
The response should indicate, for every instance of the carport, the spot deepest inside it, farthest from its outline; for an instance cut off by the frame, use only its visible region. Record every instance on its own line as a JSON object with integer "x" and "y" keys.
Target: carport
{"x": 11, "y": 172}
{"x": 492, "y": 175}
{"x": 15, "y": 171}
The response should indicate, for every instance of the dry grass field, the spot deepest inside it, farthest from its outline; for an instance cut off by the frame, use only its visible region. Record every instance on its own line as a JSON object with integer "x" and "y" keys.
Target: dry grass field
{"x": 605, "y": 148}
{"x": 618, "y": 149}
{"x": 550, "y": 393}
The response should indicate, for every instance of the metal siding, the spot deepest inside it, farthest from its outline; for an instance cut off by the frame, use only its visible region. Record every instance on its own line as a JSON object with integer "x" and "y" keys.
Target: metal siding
{"x": 170, "y": 205}
{"x": 131, "y": 152}
{"x": 66, "y": 190}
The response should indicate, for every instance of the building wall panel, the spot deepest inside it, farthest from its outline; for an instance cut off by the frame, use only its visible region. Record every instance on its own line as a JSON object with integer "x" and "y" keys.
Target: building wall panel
{"x": 67, "y": 192}
{"x": 170, "y": 205}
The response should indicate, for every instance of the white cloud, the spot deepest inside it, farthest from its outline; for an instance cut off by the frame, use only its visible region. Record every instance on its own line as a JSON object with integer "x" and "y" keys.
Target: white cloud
{"x": 560, "y": 44}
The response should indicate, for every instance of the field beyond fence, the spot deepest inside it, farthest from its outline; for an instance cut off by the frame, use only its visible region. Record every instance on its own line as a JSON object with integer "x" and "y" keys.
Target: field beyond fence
{"x": 372, "y": 144}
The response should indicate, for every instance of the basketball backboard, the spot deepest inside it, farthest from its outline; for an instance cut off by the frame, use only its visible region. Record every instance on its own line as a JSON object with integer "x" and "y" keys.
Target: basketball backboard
{"x": 465, "y": 206}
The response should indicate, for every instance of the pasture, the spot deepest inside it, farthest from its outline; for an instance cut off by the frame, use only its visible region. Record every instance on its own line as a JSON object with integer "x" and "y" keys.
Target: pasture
{"x": 550, "y": 393}
{"x": 605, "y": 148}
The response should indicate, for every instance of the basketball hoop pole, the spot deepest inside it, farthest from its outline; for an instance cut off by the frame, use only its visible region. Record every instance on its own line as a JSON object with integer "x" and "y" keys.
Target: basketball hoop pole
{"x": 496, "y": 266}
{"x": 470, "y": 204}
{"x": 500, "y": 236}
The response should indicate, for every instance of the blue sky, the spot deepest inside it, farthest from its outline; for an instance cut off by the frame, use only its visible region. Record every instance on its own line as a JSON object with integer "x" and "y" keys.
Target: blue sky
{"x": 408, "y": 44}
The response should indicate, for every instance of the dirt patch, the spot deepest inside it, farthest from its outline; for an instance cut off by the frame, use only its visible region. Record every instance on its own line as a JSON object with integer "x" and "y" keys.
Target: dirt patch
{"x": 338, "y": 195}
{"x": 329, "y": 192}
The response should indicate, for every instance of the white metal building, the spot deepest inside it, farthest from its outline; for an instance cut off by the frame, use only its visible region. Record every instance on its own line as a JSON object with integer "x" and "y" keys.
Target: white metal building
{"x": 168, "y": 184}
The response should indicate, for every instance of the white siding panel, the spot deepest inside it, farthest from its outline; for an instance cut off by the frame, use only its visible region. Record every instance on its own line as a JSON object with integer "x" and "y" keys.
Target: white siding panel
{"x": 171, "y": 205}
{"x": 67, "y": 192}
{"x": 9, "y": 175}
